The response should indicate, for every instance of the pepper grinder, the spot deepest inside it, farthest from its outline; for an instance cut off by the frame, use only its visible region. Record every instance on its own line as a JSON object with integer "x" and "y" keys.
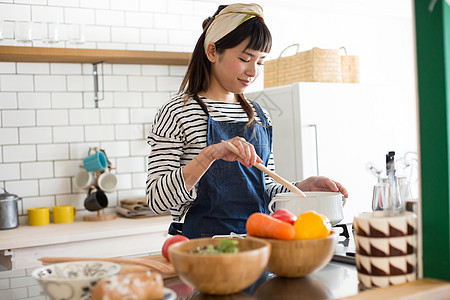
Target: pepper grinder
{"x": 394, "y": 201}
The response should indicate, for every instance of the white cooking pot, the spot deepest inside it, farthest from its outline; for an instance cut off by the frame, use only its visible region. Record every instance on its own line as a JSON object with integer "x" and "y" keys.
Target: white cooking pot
{"x": 329, "y": 204}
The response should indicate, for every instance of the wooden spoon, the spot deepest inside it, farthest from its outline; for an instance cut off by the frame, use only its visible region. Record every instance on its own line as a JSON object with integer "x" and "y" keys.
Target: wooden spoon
{"x": 263, "y": 168}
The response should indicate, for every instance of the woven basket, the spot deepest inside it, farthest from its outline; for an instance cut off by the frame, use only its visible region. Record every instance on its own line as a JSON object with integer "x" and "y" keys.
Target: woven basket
{"x": 349, "y": 68}
{"x": 315, "y": 65}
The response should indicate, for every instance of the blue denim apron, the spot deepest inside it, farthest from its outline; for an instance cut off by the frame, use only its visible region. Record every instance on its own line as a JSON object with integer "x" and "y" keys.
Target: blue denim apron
{"x": 229, "y": 192}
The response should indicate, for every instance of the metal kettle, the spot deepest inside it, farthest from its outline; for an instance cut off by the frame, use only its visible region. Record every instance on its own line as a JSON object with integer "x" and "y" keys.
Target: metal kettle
{"x": 9, "y": 213}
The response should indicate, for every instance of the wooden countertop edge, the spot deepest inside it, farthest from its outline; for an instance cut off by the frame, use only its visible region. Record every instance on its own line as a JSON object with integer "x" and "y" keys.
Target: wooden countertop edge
{"x": 31, "y": 236}
{"x": 416, "y": 290}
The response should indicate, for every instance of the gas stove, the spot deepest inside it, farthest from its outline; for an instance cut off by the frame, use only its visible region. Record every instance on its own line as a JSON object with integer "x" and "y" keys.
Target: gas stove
{"x": 345, "y": 249}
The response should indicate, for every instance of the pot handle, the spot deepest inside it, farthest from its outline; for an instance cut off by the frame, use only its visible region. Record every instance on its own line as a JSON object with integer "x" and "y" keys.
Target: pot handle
{"x": 273, "y": 201}
{"x": 344, "y": 200}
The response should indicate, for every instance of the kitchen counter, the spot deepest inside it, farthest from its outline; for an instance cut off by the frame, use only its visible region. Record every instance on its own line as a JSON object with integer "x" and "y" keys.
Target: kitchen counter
{"x": 335, "y": 280}
{"x": 21, "y": 247}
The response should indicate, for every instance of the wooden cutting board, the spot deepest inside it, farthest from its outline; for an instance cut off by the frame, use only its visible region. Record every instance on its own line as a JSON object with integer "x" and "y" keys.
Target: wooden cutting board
{"x": 169, "y": 273}
{"x": 128, "y": 265}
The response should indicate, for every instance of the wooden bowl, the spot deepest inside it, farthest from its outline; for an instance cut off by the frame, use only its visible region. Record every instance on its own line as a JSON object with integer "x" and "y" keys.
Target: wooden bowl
{"x": 220, "y": 274}
{"x": 300, "y": 258}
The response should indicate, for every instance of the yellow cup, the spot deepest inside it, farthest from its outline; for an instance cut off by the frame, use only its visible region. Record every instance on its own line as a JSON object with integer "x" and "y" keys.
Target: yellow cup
{"x": 63, "y": 213}
{"x": 38, "y": 216}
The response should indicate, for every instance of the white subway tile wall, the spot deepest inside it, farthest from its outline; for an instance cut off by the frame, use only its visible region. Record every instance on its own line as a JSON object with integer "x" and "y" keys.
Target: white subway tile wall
{"x": 8, "y": 100}
{"x": 34, "y": 68}
{"x": 18, "y": 284}
{"x": 48, "y": 118}
{"x": 16, "y": 83}
{"x": 7, "y": 67}
{"x": 33, "y": 100}
{"x": 43, "y": 13}
{"x": 35, "y": 135}
{"x": 9, "y": 136}
{"x": 52, "y": 152}
{"x": 104, "y": 4}
{"x": 48, "y": 122}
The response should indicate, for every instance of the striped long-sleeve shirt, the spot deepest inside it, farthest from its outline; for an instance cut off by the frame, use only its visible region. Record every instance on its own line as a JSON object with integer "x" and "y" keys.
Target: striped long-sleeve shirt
{"x": 177, "y": 136}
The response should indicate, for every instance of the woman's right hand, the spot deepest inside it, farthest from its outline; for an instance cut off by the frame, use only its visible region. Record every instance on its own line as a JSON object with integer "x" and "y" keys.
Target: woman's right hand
{"x": 248, "y": 156}
{"x": 195, "y": 169}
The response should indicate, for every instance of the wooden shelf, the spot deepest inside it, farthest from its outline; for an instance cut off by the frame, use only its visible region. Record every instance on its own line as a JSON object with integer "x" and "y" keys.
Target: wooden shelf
{"x": 70, "y": 55}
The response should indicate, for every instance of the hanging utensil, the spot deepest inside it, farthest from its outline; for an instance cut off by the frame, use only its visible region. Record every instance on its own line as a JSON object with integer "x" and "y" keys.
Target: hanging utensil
{"x": 274, "y": 175}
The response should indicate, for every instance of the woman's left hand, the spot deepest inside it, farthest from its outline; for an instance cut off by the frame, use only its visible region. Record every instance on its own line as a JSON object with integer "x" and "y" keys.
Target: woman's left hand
{"x": 322, "y": 183}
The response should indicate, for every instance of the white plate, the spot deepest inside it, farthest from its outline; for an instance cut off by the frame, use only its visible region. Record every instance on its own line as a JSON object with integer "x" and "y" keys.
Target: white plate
{"x": 169, "y": 294}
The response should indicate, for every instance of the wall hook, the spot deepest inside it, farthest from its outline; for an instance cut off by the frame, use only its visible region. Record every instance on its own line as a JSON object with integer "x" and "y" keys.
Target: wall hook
{"x": 95, "y": 74}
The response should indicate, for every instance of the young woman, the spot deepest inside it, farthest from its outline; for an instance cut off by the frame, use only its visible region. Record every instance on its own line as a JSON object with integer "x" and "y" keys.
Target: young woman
{"x": 190, "y": 172}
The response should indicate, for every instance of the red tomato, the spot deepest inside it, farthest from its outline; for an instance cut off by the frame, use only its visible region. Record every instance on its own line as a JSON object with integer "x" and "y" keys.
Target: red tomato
{"x": 172, "y": 240}
{"x": 285, "y": 215}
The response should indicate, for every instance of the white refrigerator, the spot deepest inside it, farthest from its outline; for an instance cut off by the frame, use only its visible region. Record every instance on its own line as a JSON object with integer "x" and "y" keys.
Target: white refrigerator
{"x": 335, "y": 130}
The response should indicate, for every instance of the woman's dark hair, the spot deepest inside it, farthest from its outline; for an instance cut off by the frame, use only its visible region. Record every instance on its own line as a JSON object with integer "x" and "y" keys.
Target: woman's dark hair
{"x": 197, "y": 76}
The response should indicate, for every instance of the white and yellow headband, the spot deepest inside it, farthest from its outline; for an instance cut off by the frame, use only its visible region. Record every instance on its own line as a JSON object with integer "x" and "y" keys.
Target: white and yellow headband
{"x": 229, "y": 18}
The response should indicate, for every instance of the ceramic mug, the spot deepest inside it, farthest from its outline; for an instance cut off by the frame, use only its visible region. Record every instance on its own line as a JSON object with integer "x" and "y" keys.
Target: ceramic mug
{"x": 96, "y": 161}
{"x": 107, "y": 182}
{"x": 96, "y": 200}
{"x": 329, "y": 204}
{"x": 63, "y": 213}
{"x": 38, "y": 216}
{"x": 83, "y": 179}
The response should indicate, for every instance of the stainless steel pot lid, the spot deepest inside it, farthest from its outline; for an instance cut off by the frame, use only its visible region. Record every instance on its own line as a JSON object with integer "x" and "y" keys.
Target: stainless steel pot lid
{"x": 7, "y": 196}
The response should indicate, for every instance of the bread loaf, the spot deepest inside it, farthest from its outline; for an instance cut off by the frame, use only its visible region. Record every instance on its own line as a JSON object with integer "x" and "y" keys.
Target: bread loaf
{"x": 134, "y": 286}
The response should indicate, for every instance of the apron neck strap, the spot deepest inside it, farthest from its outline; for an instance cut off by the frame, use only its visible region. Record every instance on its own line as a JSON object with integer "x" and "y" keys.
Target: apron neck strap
{"x": 260, "y": 113}
{"x": 202, "y": 104}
